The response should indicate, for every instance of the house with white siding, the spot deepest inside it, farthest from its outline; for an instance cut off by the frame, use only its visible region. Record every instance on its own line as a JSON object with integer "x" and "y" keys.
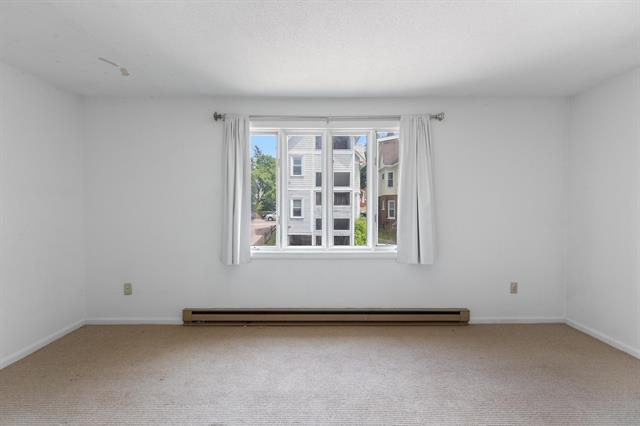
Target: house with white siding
{"x": 304, "y": 189}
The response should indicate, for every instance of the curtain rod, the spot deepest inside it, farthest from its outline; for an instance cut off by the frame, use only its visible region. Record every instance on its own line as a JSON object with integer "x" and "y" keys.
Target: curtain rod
{"x": 217, "y": 116}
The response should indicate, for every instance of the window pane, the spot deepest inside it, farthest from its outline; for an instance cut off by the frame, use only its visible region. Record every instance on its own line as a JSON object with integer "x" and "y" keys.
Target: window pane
{"x": 342, "y": 179}
{"x": 341, "y": 199}
{"x": 391, "y": 212}
{"x": 318, "y": 224}
{"x": 264, "y": 215}
{"x": 349, "y": 208}
{"x": 304, "y": 183}
{"x": 318, "y": 198}
{"x": 342, "y": 142}
{"x": 299, "y": 240}
{"x": 296, "y": 208}
{"x": 341, "y": 224}
{"x": 318, "y": 240}
{"x": 296, "y": 166}
{"x": 388, "y": 161}
{"x": 341, "y": 240}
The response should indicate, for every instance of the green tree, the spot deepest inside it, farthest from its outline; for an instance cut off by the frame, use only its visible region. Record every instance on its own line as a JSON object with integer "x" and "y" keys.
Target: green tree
{"x": 360, "y": 232}
{"x": 363, "y": 176}
{"x": 263, "y": 181}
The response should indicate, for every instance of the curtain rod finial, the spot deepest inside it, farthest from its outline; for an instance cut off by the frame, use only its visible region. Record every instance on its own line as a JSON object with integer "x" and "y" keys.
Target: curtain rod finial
{"x": 439, "y": 116}
{"x": 218, "y": 116}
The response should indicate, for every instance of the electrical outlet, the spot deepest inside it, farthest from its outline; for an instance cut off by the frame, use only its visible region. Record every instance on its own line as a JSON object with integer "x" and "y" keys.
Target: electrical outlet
{"x": 128, "y": 289}
{"x": 514, "y": 287}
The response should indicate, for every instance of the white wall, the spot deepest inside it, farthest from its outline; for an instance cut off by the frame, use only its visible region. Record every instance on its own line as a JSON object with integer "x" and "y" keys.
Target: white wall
{"x": 603, "y": 289}
{"x": 153, "y": 185}
{"x": 41, "y": 213}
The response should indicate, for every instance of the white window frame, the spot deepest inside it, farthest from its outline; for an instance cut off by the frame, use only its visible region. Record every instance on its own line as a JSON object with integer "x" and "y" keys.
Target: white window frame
{"x": 390, "y": 178}
{"x": 292, "y": 168}
{"x": 326, "y": 250}
{"x": 291, "y": 202}
{"x": 389, "y": 209}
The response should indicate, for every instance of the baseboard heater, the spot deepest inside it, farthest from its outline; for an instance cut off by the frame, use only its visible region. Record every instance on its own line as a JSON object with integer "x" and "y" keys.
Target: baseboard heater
{"x": 327, "y": 316}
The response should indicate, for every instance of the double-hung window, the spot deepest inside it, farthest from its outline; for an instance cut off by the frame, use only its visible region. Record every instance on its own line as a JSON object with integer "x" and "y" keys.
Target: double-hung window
{"x": 331, "y": 184}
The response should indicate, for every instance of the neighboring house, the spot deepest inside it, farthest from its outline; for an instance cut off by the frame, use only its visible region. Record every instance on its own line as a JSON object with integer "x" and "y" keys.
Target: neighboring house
{"x": 304, "y": 186}
{"x": 388, "y": 160}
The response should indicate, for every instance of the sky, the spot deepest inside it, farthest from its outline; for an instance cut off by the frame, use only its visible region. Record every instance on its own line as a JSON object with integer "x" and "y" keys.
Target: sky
{"x": 266, "y": 143}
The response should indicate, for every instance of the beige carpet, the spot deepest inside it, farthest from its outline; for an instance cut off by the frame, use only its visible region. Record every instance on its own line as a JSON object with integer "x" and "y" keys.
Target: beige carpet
{"x": 499, "y": 374}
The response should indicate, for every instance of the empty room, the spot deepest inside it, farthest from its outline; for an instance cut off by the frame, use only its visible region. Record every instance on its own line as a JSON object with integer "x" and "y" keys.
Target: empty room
{"x": 321, "y": 212}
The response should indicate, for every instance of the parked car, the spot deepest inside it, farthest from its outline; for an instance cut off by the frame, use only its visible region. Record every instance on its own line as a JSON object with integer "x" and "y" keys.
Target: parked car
{"x": 269, "y": 216}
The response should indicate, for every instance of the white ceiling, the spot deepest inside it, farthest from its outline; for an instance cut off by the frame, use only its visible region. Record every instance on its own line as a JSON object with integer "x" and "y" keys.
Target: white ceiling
{"x": 322, "y": 48}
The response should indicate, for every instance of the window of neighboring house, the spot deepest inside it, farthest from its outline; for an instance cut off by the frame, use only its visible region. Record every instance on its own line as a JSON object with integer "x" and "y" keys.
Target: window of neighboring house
{"x": 296, "y": 208}
{"x": 390, "y": 179}
{"x": 391, "y": 214}
{"x": 341, "y": 179}
{"x": 287, "y": 169}
{"x": 342, "y": 142}
{"x": 341, "y": 240}
{"x": 341, "y": 224}
{"x": 341, "y": 199}
{"x": 299, "y": 240}
{"x": 296, "y": 165}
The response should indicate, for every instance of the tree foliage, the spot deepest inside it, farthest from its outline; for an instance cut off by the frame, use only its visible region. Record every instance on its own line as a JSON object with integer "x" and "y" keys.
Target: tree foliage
{"x": 360, "y": 232}
{"x": 263, "y": 182}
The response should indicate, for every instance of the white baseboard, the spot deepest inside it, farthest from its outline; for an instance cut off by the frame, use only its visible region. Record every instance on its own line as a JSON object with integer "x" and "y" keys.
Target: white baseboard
{"x": 134, "y": 321}
{"x": 16, "y": 356}
{"x": 517, "y": 320}
{"x": 604, "y": 338}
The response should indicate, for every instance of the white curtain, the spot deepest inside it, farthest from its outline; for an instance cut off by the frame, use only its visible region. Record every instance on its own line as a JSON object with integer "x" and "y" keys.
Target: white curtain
{"x": 236, "y": 191}
{"x": 415, "y": 197}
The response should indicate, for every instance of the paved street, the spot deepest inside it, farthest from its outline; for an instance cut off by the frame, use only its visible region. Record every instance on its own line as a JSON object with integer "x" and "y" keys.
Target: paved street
{"x": 259, "y": 227}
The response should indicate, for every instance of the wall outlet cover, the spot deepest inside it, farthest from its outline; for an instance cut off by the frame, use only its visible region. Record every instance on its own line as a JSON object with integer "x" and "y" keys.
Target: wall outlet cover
{"x": 514, "y": 287}
{"x": 128, "y": 289}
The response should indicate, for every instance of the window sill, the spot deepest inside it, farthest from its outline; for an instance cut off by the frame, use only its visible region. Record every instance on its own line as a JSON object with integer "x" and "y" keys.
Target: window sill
{"x": 325, "y": 254}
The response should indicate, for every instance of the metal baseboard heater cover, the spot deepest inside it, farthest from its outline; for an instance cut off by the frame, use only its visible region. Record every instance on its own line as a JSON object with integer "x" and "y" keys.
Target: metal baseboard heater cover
{"x": 337, "y": 316}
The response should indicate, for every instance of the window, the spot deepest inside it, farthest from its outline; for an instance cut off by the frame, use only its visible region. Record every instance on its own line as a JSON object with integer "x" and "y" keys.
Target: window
{"x": 341, "y": 199}
{"x": 299, "y": 240}
{"x": 341, "y": 240}
{"x": 388, "y": 162}
{"x": 341, "y": 224}
{"x": 391, "y": 214}
{"x": 296, "y": 166}
{"x": 341, "y": 142}
{"x": 264, "y": 200}
{"x": 334, "y": 184}
{"x": 341, "y": 179}
{"x": 296, "y": 208}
